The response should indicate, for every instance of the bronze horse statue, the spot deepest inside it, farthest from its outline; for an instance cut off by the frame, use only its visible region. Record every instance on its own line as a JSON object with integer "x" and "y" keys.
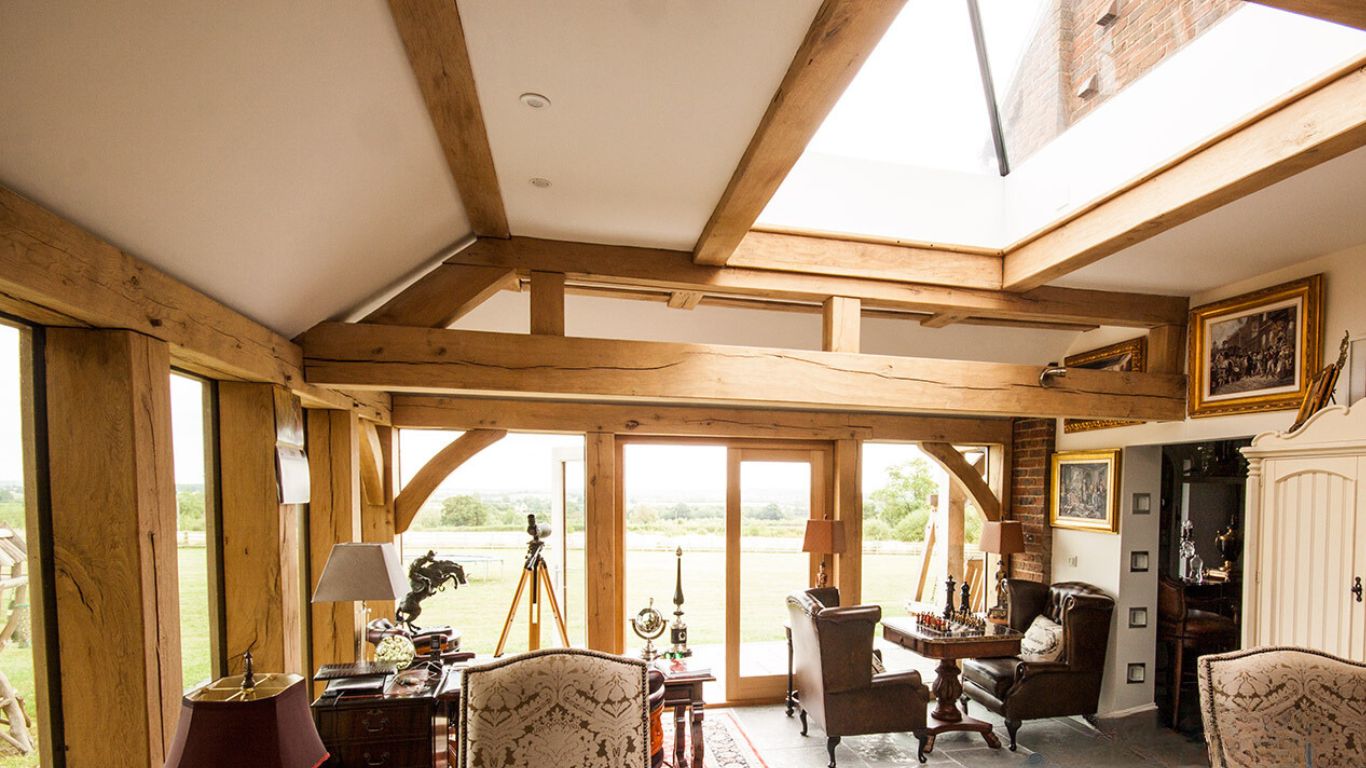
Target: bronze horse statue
{"x": 427, "y": 576}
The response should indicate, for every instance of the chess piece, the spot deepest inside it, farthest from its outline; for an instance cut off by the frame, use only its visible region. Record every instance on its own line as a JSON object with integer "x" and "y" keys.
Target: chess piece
{"x": 948, "y": 606}
{"x": 965, "y": 603}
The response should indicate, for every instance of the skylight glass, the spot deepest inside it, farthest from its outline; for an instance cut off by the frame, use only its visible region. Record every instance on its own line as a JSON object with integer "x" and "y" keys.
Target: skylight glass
{"x": 1084, "y": 106}
{"x": 891, "y": 115}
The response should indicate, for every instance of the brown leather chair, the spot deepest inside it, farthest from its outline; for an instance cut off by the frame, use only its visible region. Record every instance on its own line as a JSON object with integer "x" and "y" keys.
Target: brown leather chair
{"x": 1188, "y": 629}
{"x": 832, "y": 652}
{"x": 1025, "y": 690}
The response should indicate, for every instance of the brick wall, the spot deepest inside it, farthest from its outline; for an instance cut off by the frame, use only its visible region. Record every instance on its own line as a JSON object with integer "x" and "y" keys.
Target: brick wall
{"x": 1032, "y": 446}
{"x": 1069, "y": 48}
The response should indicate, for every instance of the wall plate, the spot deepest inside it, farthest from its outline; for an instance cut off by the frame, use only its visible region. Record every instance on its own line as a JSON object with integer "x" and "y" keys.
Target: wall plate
{"x": 1138, "y": 617}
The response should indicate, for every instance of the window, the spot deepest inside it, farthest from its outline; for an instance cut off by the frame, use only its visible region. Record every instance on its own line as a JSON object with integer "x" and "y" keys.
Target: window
{"x": 477, "y": 517}
{"x": 189, "y": 402}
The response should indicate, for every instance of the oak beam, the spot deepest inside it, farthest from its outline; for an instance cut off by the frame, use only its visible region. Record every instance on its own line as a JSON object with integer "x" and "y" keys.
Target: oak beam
{"x": 333, "y": 518}
{"x": 434, "y": 37}
{"x": 605, "y": 526}
{"x": 841, "y": 324}
{"x": 547, "y": 303}
{"x": 436, "y": 470}
{"x": 1324, "y": 122}
{"x": 942, "y": 320}
{"x": 848, "y": 495}
{"x": 371, "y": 464}
{"x": 114, "y": 544}
{"x": 472, "y": 362}
{"x": 1351, "y": 13}
{"x": 684, "y": 299}
{"x": 674, "y": 271}
{"x": 465, "y": 413}
{"x": 1167, "y": 349}
{"x": 842, "y": 35}
{"x": 846, "y": 256}
{"x": 966, "y": 477}
{"x": 261, "y": 548}
{"x": 442, "y": 296}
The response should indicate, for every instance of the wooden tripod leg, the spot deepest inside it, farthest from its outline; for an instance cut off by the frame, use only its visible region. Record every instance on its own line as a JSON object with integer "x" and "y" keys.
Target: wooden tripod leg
{"x": 554, "y": 604}
{"x": 512, "y": 612}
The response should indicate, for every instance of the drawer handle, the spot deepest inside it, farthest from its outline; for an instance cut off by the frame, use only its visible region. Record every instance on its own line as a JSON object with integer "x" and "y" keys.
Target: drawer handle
{"x": 1356, "y": 588}
{"x": 384, "y": 758}
{"x": 383, "y": 723}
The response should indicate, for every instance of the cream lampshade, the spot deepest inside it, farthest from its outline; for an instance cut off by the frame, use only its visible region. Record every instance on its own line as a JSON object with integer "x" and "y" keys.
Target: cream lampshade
{"x": 361, "y": 572}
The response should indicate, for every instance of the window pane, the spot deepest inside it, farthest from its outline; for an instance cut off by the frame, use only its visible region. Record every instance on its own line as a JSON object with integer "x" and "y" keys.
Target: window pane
{"x": 477, "y": 517}
{"x": 898, "y": 481}
{"x": 187, "y": 437}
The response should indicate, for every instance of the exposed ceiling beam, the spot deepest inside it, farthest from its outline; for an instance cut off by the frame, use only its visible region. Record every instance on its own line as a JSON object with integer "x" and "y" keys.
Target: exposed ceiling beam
{"x": 443, "y": 296}
{"x": 467, "y": 413}
{"x": 53, "y": 272}
{"x": 675, "y": 271}
{"x": 439, "y": 467}
{"x": 1351, "y": 13}
{"x": 401, "y": 358}
{"x": 870, "y": 258}
{"x": 942, "y": 320}
{"x": 684, "y": 299}
{"x": 840, "y": 38}
{"x": 1325, "y": 121}
{"x": 435, "y": 40}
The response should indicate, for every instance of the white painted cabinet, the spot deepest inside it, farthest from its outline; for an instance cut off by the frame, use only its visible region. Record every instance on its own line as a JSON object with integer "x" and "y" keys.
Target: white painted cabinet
{"x": 1305, "y": 536}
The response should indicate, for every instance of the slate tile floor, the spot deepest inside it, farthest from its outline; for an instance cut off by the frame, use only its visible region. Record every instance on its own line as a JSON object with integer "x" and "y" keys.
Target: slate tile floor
{"x": 1136, "y": 741}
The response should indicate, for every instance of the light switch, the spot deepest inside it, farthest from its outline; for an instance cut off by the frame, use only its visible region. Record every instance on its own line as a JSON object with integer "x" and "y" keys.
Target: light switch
{"x": 1072, "y": 561}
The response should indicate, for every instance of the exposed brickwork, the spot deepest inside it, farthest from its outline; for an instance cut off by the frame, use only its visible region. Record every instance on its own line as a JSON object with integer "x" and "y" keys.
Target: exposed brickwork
{"x": 1032, "y": 446}
{"x": 1069, "y": 47}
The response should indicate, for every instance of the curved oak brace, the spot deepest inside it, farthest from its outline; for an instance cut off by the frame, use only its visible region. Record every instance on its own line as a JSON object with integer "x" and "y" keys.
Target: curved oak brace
{"x": 446, "y": 461}
{"x": 371, "y": 464}
{"x": 966, "y": 477}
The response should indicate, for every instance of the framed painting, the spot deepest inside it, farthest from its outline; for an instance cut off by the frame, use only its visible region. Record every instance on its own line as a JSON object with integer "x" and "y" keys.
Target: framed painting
{"x": 1256, "y": 352}
{"x": 1084, "y": 491}
{"x": 1131, "y": 355}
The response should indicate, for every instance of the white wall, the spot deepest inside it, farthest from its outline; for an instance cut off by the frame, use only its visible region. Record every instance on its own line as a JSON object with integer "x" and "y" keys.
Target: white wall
{"x": 1344, "y": 311}
{"x": 596, "y": 317}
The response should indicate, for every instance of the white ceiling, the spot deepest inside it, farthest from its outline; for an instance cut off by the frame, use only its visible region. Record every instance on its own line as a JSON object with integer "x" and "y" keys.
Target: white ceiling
{"x": 653, "y": 103}
{"x": 1320, "y": 211}
{"x": 276, "y": 155}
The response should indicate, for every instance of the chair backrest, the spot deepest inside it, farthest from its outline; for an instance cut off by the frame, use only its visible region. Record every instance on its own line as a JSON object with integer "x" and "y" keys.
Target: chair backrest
{"x": 1083, "y": 610}
{"x": 555, "y": 707}
{"x": 1171, "y": 601}
{"x": 832, "y": 647}
{"x": 1283, "y": 706}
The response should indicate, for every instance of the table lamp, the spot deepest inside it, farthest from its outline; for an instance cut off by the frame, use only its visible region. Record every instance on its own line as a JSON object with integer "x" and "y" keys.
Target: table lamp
{"x": 361, "y": 572}
{"x": 823, "y": 537}
{"x": 243, "y": 720}
{"x": 1002, "y": 537}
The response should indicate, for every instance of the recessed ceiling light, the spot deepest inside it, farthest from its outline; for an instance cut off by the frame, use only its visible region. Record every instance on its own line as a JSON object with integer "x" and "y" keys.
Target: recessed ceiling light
{"x": 539, "y": 183}
{"x": 534, "y": 100}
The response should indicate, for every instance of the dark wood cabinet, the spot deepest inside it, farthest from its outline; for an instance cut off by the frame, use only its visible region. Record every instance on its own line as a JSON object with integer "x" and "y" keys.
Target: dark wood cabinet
{"x": 397, "y": 729}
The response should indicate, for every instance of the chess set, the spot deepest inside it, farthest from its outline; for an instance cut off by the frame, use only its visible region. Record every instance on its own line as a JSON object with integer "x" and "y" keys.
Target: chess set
{"x": 953, "y": 622}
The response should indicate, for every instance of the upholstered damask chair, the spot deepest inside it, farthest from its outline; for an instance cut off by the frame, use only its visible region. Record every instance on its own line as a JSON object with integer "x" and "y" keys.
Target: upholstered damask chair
{"x": 567, "y": 708}
{"x": 1280, "y": 707}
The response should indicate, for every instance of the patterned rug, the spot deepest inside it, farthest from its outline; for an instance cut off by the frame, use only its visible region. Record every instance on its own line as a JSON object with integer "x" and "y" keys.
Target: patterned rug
{"x": 727, "y": 746}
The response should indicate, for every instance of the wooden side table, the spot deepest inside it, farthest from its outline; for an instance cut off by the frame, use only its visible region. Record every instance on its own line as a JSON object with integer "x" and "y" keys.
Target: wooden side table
{"x": 398, "y": 728}
{"x": 683, "y": 694}
{"x": 949, "y": 648}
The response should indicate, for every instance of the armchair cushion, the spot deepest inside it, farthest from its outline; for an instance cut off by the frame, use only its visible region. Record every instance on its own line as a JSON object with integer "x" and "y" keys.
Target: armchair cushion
{"x": 1043, "y": 641}
{"x": 995, "y": 676}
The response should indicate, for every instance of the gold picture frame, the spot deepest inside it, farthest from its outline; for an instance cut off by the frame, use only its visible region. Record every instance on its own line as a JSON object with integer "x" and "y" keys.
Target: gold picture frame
{"x": 1084, "y": 490}
{"x": 1256, "y": 352}
{"x": 1129, "y": 356}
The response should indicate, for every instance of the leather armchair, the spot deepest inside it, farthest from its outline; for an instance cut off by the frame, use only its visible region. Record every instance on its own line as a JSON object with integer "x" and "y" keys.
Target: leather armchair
{"x": 1024, "y": 690}
{"x": 833, "y": 665}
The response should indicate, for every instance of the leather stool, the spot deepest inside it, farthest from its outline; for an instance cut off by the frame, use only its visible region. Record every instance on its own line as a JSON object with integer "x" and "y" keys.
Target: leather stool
{"x": 1189, "y": 629}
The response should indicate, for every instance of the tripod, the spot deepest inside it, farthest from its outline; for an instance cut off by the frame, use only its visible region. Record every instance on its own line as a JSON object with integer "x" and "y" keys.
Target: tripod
{"x": 536, "y": 573}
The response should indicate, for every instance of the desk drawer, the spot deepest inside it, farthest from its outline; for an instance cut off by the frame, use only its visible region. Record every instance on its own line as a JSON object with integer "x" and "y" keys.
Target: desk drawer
{"x": 374, "y": 723}
{"x": 415, "y": 753}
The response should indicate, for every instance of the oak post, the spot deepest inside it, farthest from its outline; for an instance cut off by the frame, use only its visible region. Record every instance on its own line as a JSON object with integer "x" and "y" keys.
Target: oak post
{"x": 377, "y": 517}
{"x": 547, "y": 303}
{"x": 1167, "y": 349}
{"x": 849, "y": 509}
{"x": 333, "y": 518}
{"x": 261, "y": 547}
{"x": 841, "y": 324}
{"x": 114, "y": 545}
{"x": 605, "y": 523}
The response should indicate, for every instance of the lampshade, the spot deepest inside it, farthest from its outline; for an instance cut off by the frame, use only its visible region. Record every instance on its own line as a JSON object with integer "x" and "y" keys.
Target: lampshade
{"x": 824, "y": 537}
{"x": 361, "y": 572}
{"x": 1002, "y": 537}
{"x": 271, "y": 727}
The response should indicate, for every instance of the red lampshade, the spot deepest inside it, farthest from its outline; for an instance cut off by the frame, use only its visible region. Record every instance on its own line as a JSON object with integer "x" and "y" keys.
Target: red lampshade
{"x": 824, "y": 537}
{"x": 222, "y": 726}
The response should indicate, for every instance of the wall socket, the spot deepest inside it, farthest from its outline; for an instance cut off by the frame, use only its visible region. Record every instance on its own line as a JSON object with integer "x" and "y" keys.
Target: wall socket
{"x": 1072, "y": 561}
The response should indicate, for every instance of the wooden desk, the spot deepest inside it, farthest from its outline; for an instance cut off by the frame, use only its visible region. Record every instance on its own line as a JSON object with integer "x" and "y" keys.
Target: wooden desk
{"x": 683, "y": 692}
{"x": 998, "y": 641}
{"x": 403, "y": 727}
